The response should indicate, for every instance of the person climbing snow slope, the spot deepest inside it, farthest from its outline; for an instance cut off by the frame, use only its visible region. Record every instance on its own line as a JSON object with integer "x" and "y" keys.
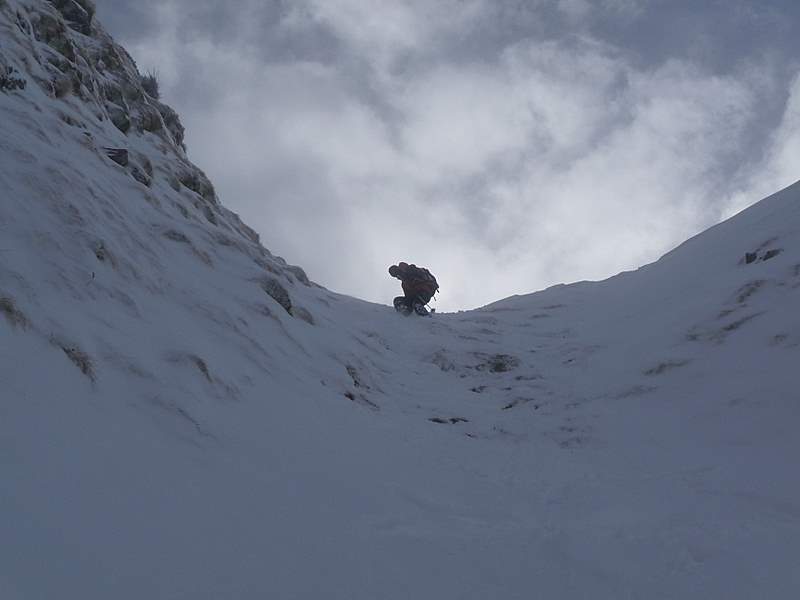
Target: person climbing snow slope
{"x": 419, "y": 286}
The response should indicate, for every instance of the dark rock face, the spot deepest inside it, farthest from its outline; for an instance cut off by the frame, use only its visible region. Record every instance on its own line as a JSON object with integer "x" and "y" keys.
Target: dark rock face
{"x": 277, "y": 292}
{"x": 173, "y": 124}
{"x": 772, "y": 253}
{"x": 196, "y": 180}
{"x": 119, "y": 117}
{"x": 751, "y": 257}
{"x": 78, "y": 13}
{"x": 150, "y": 120}
{"x": 10, "y": 80}
{"x": 280, "y": 294}
{"x": 118, "y": 155}
{"x": 50, "y": 30}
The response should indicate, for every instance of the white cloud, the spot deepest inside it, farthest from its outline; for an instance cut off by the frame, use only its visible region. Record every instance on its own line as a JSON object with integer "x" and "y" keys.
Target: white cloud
{"x": 780, "y": 166}
{"x": 381, "y": 31}
{"x": 537, "y": 162}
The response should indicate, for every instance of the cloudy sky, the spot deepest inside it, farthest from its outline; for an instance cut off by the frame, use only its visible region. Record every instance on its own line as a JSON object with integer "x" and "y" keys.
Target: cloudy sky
{"x": 506, "y": 144}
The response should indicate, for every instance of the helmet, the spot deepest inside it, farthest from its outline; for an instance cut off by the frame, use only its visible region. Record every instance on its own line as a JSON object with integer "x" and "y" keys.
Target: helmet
{"x": 394, "y": 271}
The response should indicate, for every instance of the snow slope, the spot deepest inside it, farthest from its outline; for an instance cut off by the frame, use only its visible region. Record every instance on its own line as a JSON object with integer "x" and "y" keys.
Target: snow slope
{"x": 183, "y": 415}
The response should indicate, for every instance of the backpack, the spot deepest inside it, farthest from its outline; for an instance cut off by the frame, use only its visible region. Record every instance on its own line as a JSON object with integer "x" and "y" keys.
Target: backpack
{"x": 422, "y": 274}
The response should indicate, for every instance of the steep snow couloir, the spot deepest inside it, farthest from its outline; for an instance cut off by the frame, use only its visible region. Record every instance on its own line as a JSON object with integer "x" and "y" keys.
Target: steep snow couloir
{"x": 184, "y": 415}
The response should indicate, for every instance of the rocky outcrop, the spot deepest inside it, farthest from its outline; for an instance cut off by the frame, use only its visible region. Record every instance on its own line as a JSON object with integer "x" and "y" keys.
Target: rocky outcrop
{"x": 77, "y": 58}
{"x": 97, "y": 88}
{"x": 118, "y": 155}
{"x": 277, "y": 292}
{"x": 78, "y": 13}
{"x": 10, "y": 80}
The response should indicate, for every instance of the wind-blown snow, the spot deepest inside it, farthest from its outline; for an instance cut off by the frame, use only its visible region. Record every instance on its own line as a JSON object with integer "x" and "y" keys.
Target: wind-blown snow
{"x": 169, "y": 430}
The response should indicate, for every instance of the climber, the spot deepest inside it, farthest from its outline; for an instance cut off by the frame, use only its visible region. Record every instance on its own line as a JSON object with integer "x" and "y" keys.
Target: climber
{"x": 419, "y": 286}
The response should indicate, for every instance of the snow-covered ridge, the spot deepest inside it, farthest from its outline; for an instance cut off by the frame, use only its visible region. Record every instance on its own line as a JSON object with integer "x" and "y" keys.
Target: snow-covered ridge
{"x": 182, "y": 414}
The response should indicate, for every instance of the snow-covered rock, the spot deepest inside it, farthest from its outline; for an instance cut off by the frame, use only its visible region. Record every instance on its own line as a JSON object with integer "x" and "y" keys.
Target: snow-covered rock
{"x": 183, "y": 414}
